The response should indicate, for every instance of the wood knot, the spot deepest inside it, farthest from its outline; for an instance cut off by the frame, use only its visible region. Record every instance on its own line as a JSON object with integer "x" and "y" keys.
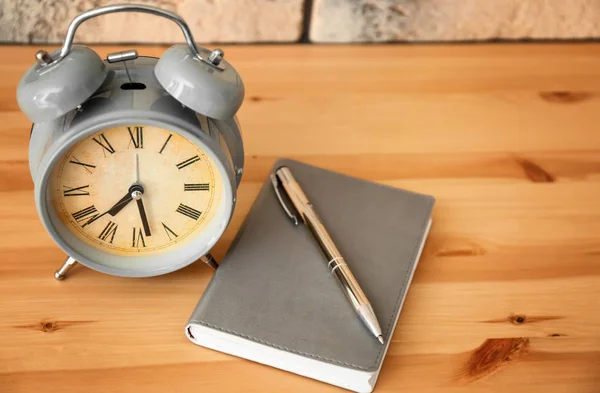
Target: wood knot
{"x": 517, "y": 319}
{"x": 534, "y": 172}
{"x": 520, "y": 319}
{"x": 491, "y": 355}
{"x": 48, "y": 326}
{"x": 565, "y": 97}
{"x": 262, "y": 98}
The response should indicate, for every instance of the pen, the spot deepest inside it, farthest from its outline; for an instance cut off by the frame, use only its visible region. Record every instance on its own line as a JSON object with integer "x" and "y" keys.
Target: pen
{"x": 336, "y": 262}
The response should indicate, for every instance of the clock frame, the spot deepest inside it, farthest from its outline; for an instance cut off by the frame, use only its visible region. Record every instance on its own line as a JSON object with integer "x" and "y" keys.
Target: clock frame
{"x": 116, "y": 104}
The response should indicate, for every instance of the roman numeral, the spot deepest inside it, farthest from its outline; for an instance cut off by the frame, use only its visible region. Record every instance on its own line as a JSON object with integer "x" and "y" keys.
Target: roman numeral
{"x": 106, "y": 146}
{"x": 109, "y": 231}
{"x": 137, "y": 237}
{"x": 85, "y": 213}
{"x": 187, "y": 162}
{"x": 77, "y": 191}
{"x": 169, "y": 231}
{"x": 165, "y": 145}
{"x": 137, "y": 137}
{"x": 188, "y": 211}
{"x": 196, "y": 187}
{"x": 83, "y": 164}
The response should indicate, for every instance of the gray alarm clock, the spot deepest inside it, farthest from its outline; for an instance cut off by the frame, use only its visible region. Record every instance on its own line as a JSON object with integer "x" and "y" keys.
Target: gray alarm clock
{"x": 135, "y": 160}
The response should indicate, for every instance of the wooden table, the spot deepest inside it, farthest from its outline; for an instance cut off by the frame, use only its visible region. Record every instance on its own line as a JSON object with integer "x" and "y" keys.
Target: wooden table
{"x": 506, "y": 297}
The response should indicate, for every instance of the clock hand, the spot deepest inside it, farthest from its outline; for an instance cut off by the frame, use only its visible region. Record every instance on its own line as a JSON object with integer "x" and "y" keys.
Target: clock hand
{"x": 137, "y": 195}
{"x": 117, "y": 207}
{"x": 120, "y": 205}
{"x": 140, "y": 206}
{"x": 137, "y": 169}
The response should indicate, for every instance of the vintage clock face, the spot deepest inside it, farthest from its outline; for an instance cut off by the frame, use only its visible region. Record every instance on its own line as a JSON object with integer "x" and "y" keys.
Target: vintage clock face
{"x": 136, "y": 190}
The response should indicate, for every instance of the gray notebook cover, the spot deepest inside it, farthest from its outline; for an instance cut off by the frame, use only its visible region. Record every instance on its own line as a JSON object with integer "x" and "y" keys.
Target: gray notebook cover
{"x": 273, "y": 286}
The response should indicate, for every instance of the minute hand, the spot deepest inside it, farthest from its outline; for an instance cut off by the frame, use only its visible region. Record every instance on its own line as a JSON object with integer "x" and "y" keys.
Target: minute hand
{"x": 140, "y": 206}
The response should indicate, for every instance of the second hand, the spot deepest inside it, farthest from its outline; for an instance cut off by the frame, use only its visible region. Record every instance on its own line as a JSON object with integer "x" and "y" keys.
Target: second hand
{"x": 137, "y": 169}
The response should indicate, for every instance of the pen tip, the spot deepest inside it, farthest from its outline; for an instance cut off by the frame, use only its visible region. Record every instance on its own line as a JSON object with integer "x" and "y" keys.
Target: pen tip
{"x": 380, "y": 338}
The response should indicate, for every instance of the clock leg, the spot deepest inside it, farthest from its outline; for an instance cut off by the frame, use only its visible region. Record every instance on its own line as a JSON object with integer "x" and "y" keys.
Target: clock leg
{"x": 210, "y": 261}
{"x": 61, "y": 273}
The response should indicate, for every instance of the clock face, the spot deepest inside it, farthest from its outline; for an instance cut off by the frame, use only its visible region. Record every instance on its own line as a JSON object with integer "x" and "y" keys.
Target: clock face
{"x": 136, "y": 190}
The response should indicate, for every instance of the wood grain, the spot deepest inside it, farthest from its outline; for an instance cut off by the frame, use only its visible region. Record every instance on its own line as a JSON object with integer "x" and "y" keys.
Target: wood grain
{"x": 506, "y": 297}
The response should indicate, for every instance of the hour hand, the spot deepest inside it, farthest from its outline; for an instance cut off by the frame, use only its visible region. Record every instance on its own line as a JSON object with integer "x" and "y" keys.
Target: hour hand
{"x": 120, "y": 205}
{"x": 117, "y": 207}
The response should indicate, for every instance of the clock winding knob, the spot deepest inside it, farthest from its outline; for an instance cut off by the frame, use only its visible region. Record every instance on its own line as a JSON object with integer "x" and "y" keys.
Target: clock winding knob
{"x": 43, "y": 58}
{"x": 216, "y": 56}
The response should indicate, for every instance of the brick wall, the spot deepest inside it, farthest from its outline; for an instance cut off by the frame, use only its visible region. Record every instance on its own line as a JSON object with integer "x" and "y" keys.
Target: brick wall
{"x": 319, "y": 21}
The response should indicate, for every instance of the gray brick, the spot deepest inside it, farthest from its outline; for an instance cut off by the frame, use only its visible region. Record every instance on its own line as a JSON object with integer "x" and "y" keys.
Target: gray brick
{"x": 452, "y": 20}
{"x": 28, "y": 21}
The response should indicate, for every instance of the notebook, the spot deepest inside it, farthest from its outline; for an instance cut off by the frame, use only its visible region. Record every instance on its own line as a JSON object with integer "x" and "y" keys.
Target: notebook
{"x": 273, "y": 301}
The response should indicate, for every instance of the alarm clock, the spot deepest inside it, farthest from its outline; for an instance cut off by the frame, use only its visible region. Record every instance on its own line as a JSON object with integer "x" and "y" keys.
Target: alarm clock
{"x": 135, "y": 160}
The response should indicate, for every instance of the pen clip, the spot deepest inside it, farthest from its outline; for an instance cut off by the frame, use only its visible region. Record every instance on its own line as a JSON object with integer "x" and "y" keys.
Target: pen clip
{"x": 288, "y": 211}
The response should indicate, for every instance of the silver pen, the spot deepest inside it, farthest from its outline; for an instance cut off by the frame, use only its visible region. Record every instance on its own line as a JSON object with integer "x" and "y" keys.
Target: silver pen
{"x": 336, "y": 262}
